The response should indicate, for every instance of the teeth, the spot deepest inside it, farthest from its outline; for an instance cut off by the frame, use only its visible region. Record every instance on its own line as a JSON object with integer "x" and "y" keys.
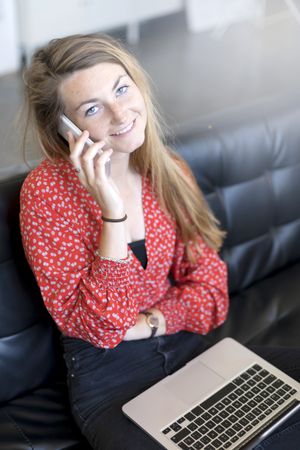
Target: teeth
{"x": 124, "y": 130}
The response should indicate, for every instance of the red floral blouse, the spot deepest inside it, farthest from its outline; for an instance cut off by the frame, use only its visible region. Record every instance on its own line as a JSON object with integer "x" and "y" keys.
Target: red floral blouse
{"x": 98, "y": 300}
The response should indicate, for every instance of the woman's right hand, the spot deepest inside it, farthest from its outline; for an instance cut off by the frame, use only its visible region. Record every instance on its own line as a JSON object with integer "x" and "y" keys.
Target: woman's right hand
{"x": 89, "y": 163}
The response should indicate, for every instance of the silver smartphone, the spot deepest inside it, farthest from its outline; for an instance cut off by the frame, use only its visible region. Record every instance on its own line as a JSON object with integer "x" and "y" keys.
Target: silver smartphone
{"x": 65, "y": 125}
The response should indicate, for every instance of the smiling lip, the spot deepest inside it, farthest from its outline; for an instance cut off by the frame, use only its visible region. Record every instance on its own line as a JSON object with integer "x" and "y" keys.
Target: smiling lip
{"x": 124, "y": 130}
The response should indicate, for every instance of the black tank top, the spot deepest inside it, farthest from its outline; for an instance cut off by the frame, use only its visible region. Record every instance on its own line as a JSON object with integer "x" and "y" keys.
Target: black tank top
{"x": 139, "y": 250}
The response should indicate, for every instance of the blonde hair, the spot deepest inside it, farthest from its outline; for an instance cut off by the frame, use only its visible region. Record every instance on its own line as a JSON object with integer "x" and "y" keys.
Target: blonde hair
{"x": 172, "y": 180}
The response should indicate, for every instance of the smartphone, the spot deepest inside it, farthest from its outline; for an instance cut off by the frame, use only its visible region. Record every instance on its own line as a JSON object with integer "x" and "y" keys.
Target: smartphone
{"x": 65, "y": 125}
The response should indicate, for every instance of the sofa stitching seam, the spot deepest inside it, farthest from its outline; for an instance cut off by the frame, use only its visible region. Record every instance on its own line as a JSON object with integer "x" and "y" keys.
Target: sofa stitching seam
{"x": 19, "y": 429}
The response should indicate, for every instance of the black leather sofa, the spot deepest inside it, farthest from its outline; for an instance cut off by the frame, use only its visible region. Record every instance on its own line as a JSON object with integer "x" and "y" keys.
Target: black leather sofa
{"x": 249, "y": 170}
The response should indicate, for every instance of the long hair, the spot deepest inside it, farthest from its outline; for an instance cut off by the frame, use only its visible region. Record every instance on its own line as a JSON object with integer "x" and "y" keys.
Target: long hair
{"x": 172, "y": 181}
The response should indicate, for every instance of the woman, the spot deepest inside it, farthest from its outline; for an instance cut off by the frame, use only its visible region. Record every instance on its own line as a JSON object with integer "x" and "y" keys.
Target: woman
{"x": 127, "y": 263}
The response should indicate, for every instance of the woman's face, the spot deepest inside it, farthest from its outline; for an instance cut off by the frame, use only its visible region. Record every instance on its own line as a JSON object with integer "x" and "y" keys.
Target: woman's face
{"x": 105, "y": 101}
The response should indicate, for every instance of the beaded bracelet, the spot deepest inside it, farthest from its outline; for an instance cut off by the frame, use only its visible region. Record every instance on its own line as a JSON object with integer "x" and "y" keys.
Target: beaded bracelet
{"x": 110, "y": 258}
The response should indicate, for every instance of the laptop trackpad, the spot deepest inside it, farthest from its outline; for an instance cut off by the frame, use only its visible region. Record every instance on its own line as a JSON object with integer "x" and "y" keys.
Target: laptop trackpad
{"x": 193, "y": 383}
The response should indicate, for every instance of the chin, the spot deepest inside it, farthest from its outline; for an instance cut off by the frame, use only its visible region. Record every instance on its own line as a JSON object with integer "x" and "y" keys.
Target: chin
{"x": 132, "y": 146}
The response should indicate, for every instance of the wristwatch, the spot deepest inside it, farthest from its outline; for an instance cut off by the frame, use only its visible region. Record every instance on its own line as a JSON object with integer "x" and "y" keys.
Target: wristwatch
{"x": 152, "y": 321}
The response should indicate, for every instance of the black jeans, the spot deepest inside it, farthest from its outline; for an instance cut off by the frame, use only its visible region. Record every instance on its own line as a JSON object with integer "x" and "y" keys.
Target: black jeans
{"x": 102, "y": 380}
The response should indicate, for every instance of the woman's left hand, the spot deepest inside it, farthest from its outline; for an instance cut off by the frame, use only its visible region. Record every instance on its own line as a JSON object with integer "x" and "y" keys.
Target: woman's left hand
{"x": 141, "y": 329}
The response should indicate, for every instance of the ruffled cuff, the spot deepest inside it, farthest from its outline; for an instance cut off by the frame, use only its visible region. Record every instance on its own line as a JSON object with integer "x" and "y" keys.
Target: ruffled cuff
{"x": 112, "y": 272}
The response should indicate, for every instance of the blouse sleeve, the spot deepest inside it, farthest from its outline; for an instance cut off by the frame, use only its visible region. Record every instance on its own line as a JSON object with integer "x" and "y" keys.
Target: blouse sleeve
{"x": 88, "y": 297}
{"x": 198, "y": 301}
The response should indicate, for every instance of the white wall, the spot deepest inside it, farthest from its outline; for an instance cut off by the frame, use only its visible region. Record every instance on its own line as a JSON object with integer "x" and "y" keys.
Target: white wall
{"x": 9, "y": 51}
{"x": 42, "y": 20}
{"x": 205, "y": 15}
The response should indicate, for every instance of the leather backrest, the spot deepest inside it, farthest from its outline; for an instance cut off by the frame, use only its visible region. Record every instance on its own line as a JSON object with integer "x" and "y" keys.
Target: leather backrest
{"x": 27, "y": 335}
{"x": 250, "y": 174}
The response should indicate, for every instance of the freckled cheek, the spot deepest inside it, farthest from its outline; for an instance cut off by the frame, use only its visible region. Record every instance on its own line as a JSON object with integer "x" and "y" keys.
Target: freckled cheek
{"x": 99, "y": 131}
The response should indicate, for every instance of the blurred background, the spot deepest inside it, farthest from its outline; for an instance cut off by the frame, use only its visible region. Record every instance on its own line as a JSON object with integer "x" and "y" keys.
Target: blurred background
{"x": 206, "y": 58}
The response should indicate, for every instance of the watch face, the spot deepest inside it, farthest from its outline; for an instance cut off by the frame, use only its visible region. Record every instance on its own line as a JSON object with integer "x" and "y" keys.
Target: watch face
{"x": 153, "y": 321}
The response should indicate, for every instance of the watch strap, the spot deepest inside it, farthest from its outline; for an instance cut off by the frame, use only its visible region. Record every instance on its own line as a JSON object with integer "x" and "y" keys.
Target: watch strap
{"x": 151, "y": 326}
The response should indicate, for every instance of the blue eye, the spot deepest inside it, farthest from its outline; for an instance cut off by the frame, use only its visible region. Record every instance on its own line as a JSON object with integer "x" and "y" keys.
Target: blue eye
{"x": 122, "y": 90}
{"x": 92, "y": 110}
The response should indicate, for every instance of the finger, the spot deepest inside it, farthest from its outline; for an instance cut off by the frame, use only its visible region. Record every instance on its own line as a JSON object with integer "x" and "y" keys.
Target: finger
{"x": 88, "y": 161}
{"x": 70, "y": 138}
{"x": 77, "y": 148}
{"x": 102, "y": 165}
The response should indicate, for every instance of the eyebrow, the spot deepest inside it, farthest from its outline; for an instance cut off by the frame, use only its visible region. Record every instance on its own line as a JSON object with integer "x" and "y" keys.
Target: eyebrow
{"x": 94, "y": 100}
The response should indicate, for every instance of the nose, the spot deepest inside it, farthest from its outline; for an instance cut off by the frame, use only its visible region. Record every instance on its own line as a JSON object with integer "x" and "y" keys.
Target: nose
{"x": 118, "y": 114}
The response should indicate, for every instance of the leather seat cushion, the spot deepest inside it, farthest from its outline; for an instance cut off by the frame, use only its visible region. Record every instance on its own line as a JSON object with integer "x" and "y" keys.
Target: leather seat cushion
{"x": 40, "y": 420}
{"x": 268, "y": 313}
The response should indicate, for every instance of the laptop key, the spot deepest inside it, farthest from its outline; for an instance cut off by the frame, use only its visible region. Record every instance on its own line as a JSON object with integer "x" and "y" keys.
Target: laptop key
{"x": 257, "y": 378}
{"x": 230, "y": 409}
{"x": 286, "y": 387}
{"x": 213, "y": 411}
{"x": 199, "y": 421}
{"x": 239, "y": 413}
{"x": 192, "y": 426}
{"x": 197, "y": 411}
{"x": 278, "y": 383}
{"x": 217, "y": 419}
{"x": 218, "y": 396}
{"x": 184, "y": 446}
{"x": 237, "y": 427}
{"x": 212, "y": 434}
{"x": 216, "y": 443}
{"x": 203, "y": 429}
{"x": 264, "y": 394}
{"x": 230, "y": 432}
{"x": 206, "y": 416}
{"x": 280, "y": 391}
{"x": 205, "y": 440}
{"x": 232, "y": 396}
{"x": 238, "y": 381}
{"x": 256, "y": 411}
{"x": 210, "y": 424}
{"x": 219, "y": 406}
{"x": 175, "y": 426}
{"x": 190, "y": 416}
{"x": 226, "y": 423}
{"x": 196, "y": 435}
{"x": 224, "y": 414}
{"x": 249, "y": 395}
{"x": 180, "y": 435}
{"x": 245, "y": 376}
{"x": 264, "y": 373}
{"x": 198, "y": 446}
{"x": 224, "y": 437}
{"x": 189, "y": 441}
{"x": 270, "y": 379}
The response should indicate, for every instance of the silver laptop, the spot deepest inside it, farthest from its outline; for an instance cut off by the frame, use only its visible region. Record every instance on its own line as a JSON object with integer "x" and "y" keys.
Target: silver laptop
{"x": 226, "y": 398}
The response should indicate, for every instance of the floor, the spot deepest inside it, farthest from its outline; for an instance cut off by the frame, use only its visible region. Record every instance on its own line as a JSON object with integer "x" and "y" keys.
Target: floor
{"x": 195, "y": 76}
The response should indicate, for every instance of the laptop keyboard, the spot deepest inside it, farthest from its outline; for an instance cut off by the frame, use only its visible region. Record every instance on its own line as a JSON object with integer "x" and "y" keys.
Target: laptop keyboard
{"x": 223, "y": 420}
